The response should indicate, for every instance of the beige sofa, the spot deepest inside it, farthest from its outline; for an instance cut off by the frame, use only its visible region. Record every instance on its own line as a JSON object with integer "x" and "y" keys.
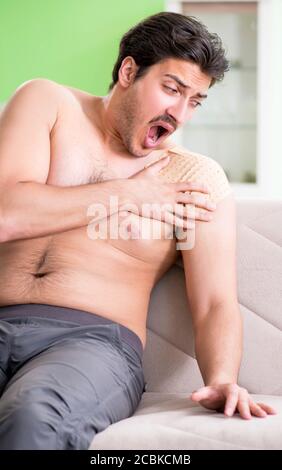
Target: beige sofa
{"x": 166, "y": 418}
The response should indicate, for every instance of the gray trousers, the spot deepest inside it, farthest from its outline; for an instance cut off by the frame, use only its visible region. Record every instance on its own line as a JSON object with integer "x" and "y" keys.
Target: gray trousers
{"x": 61, "y": 382}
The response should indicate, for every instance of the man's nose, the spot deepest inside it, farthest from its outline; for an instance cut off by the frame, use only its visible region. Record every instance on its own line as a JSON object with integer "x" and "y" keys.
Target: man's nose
{"x": 179, "y": 112}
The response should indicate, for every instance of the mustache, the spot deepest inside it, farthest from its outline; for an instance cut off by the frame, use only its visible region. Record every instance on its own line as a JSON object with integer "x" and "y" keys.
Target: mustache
{"x": 166, "y": 119}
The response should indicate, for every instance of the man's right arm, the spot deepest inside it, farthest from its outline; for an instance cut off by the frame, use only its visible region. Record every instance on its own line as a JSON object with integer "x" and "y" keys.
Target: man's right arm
{"x": 29, "y": 207}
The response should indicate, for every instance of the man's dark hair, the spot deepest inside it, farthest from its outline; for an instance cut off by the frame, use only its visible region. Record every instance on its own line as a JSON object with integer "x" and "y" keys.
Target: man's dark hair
{"x": 172, "y": 35}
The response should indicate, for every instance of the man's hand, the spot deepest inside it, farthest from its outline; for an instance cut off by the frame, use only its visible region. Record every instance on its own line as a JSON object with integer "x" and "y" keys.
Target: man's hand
{"x": 173, "y": 202}
{"x": 230, "y": 398}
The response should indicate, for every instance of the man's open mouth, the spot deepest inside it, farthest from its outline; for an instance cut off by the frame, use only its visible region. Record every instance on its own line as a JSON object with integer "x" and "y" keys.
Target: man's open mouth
{"x": 157, "y": 133}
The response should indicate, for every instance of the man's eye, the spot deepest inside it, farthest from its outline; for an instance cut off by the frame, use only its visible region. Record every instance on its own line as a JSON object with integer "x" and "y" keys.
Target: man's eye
{"x": 196, "y": 103}
{"x": 172, "y": 89}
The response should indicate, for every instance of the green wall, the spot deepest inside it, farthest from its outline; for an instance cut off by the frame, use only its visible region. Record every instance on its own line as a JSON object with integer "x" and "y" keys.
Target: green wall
{"x": 70, "y": 41}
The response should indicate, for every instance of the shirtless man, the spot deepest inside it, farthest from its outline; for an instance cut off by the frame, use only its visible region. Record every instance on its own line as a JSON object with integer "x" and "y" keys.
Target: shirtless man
{"x": 73, "y": 307}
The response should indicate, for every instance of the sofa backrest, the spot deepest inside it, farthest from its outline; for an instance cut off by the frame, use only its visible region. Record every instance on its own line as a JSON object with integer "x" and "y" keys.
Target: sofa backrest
{"x": 169, "y": 358}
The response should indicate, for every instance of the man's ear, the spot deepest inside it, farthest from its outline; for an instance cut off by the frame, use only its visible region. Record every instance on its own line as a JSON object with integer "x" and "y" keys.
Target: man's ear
{"x": 127, "y": 71}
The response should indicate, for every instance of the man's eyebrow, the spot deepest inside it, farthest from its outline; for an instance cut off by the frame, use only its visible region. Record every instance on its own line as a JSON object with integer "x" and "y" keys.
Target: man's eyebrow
{"x": 182, "y": 84}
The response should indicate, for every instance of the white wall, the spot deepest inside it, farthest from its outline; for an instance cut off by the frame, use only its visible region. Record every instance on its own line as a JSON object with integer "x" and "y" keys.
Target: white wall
{"x": 268, "y": 148}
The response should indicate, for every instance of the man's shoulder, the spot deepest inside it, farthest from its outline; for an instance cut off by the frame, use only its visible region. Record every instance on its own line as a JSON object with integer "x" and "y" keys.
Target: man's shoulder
{"x": 37, "y": 94}
{"x": 37, "y": 85}
{"x": 35, "y": 100}
{"x": 46, "y": 96}
{"x": 44, "y": 88}
{"x": 186, "y": 165}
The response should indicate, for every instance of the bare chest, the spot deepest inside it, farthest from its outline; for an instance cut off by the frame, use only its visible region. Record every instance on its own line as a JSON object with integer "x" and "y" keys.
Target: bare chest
{"x": 78, "y": 157}
{"x": 76, "y": 154}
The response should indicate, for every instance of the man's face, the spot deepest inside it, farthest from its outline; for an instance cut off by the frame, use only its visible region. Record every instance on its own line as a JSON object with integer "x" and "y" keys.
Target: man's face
{"x": 154, "y": 106}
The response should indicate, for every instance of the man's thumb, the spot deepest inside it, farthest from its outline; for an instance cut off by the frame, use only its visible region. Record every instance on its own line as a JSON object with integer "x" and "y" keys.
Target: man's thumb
{"x": 155, "y": 167}
{"x": 201, "y": 394}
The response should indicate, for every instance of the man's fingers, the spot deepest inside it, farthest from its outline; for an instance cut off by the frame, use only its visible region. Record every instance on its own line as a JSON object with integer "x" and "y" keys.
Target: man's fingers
{"x": 184, "y": 211}
{"x": 155, "y": 167}
{"x": 230, "y": 398}
{"x": 244, "y": 408}
{"x": 189, "y": 211}
{"x": 256, "y": 410}
{"x": 269, "y": 410}
{"x": 202, "y": 214}
{"x": 196, "y": 199}
{"x": 231, "y": 403}
{"x": 192, "y": 186}
{"x": 179, "y": 222}
{"x": 152, "y": 168}
{"x": 202, "y": 394}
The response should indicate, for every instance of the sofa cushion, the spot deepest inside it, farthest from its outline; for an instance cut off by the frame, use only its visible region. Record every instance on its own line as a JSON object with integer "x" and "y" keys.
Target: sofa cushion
{"x": 171, "y": 421}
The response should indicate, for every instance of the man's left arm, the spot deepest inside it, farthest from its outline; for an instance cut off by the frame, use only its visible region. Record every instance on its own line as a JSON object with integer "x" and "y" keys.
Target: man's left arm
{"x": 210, "y": 271}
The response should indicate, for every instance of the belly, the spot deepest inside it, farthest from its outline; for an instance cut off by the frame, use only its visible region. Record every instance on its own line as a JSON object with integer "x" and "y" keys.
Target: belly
{"x": 112, "y": 277}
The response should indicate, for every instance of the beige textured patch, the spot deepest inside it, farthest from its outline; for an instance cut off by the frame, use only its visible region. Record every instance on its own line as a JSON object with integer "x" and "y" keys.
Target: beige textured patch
{"x": 189, "y": 166}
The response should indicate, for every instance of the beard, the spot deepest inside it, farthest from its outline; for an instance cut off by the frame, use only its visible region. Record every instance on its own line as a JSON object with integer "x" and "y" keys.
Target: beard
{"x": 128, "y": 120}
